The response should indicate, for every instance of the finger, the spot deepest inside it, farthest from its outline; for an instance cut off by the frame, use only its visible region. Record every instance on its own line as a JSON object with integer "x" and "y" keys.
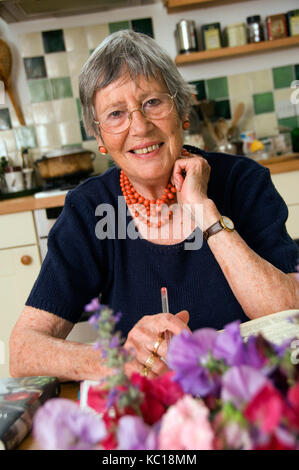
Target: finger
{"x": 135, "y": 367}
{"x": 184, "y": 316}
{"x": 161, "y": 322}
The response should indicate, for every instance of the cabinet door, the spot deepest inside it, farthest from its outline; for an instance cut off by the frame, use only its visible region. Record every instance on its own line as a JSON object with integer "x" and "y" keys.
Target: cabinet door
{"x": 19, "y": 268}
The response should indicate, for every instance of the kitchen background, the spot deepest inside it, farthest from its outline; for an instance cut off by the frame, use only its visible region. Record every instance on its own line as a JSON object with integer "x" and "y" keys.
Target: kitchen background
{"x": 48, "y": 55}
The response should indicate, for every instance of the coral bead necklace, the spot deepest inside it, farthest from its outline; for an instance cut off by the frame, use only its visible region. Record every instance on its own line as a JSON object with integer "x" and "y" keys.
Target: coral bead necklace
{"x": 154, "y": 213}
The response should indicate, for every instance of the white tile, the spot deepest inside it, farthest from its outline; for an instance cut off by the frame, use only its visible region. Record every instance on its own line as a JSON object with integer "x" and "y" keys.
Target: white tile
{"x": 266, "y": 125}
{"x": 76, "y": 60}
{"x": 9, "y": 140}
{"x": 48, "y": 135}
{"x": 95, "y": 34}
{"x": 65, "y": 110}
{"x": 70, "y": 132}
{"x": 43, "y": 113}
{"x": 57, "y": 65}
{"x": 75, "y": 38}
{"x": 31, "y": 44}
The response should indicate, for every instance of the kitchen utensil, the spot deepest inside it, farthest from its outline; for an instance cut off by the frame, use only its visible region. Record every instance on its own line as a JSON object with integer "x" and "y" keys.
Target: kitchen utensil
{"x": 14, "y": 179}
{"x": 238, "y": 113}
{"x": 221, "y": 128}
{"x": 65, "y": 163}
{"x": 5, "y": 76}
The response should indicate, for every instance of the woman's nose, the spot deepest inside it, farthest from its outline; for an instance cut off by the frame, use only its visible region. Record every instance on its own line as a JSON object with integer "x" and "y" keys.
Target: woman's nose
{"x": 139, "y": 123}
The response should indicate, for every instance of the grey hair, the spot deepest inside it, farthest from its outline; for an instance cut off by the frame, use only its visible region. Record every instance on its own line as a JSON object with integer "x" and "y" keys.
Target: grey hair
{"x": 137, "y": 54}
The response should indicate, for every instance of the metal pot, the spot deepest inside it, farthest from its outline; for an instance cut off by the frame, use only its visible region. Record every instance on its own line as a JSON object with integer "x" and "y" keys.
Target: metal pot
{"x": 65, "y": 163}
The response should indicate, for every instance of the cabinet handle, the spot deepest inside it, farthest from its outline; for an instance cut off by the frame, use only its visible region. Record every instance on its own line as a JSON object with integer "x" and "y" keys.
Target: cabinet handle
{"x": 26, "y": 259}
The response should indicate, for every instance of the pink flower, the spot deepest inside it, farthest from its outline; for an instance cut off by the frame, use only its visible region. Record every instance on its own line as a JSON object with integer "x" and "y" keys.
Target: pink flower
{"x": 186, "y": 426}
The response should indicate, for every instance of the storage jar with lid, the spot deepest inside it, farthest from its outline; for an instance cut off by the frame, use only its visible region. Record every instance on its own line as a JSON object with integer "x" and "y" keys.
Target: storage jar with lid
{"x": 211, "y": 36}
{"x": 276, "y": 26}
{"x": 293, "y": 22}
{"x": 235, "y": 34}
{"x": 255, "y": 30}
{"x": 185, "y": 35}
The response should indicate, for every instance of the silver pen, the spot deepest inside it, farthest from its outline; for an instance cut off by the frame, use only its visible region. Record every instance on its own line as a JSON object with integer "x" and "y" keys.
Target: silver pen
{"x": 165, "y": 309}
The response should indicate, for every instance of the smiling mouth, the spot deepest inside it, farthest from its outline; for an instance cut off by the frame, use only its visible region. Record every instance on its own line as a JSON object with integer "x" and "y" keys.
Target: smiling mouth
{"x": 146, "y": 150}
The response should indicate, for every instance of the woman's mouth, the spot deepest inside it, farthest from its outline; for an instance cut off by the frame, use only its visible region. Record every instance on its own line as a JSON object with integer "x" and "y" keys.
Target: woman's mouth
{"x": 149, "y": 150}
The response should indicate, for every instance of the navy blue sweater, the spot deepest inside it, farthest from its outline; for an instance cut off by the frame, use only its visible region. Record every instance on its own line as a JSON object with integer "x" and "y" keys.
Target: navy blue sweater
{"x": 129, "y": 273}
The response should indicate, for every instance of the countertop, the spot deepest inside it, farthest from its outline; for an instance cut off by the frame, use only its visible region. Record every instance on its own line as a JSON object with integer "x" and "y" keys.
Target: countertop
{"x": 276, "y": 165}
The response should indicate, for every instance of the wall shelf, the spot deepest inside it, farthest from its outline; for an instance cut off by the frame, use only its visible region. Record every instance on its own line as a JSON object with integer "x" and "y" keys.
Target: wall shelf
{"x": 174, "y": 6}
{"x": 238, "y": 51}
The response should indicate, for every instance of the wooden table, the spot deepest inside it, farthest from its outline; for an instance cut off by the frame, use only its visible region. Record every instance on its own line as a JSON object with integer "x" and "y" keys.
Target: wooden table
{"x": 68, "y": 390}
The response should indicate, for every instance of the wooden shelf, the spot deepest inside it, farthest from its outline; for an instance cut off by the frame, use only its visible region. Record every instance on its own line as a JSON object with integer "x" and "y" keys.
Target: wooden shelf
{"x": 229, "y": 52}
{"x": 174, "y": 6}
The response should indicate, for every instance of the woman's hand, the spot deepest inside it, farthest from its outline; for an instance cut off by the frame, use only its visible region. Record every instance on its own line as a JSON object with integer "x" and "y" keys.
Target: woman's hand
{"x": 143, "y": 337}
{"x": 191, "y": 177}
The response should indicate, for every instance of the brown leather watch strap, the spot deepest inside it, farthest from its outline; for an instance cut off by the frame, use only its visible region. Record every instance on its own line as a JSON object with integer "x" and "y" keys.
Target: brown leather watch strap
{"x": 215, "y": 228}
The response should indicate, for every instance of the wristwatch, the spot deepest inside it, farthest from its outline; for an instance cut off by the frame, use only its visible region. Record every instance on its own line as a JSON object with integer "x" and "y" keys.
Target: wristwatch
{"x": 223, "y": 223}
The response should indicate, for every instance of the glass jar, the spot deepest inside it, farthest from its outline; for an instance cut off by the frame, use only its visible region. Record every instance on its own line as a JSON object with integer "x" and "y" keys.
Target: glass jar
{"x": 255, "y": 30}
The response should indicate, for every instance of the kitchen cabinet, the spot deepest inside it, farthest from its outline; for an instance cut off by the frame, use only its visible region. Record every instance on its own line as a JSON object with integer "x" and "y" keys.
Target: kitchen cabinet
{"x": 287, "y": 186}
{"x": 178, "y": 5}
{"x": 19, "y": 266}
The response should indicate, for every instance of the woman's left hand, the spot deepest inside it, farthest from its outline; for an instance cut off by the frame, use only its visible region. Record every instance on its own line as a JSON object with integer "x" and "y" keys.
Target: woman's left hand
{"x": 191, "y": 177}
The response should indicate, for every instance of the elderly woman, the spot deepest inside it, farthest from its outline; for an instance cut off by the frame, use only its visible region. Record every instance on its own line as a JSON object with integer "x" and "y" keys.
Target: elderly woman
{"x": 208, "y": 226}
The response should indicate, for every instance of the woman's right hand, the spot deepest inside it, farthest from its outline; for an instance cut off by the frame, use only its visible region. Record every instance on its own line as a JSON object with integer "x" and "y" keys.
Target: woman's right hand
{"x": 144, "y": 335}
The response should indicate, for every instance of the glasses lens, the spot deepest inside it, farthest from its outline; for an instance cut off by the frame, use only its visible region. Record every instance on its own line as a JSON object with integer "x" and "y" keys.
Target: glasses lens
{"x": 157, "y": 106}
{"x": 114, "y": 121}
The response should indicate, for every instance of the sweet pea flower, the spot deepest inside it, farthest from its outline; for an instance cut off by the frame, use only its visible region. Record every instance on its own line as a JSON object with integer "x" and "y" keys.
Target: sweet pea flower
{"x": 186, "y": 426}
{"x": 188, "y": 355}
{"x": 241, "y": 383}
{"x": 134, "y": 434}
{"x": 60, "y": 424}
{"x": 229, "y": 345}
{"x": 93, "y": 305}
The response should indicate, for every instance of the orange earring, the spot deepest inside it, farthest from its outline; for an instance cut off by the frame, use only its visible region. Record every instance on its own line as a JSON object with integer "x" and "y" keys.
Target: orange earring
{"x": 186, "y": 125}
{"x": 103, "y": 150}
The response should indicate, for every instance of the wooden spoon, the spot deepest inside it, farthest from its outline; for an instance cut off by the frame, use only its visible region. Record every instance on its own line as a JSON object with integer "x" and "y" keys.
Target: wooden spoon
{"x": 221, "y": 128}
{"x": 239, "y": 110}
{"x": 5, "y": 76}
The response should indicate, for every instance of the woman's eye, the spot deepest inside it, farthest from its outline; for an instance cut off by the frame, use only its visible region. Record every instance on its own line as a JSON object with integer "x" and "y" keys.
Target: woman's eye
{"x": 117, "y": 114}
{"x": 152, "y": 102}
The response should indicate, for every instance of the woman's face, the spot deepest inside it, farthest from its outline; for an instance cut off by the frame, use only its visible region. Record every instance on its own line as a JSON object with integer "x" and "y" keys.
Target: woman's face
{"x": 142, "y": 133}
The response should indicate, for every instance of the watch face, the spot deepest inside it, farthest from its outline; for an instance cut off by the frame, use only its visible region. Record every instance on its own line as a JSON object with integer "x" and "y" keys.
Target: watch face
{"x": 228, "y": 223}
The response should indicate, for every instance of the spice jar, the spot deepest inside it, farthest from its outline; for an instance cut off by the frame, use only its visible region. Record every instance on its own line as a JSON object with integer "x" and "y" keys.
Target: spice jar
{"x": 293, "y": 22}
{"x": 276, "y": 26}
{"x": 211, "y": 36}
{"x": 255, "y": 30}
{"x": 235, "y": 34}
{"x": 185, "y": 35}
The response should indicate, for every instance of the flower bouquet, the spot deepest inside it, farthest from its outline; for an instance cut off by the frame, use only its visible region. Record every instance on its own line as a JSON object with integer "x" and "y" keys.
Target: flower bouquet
{"x": 221, "y": 392}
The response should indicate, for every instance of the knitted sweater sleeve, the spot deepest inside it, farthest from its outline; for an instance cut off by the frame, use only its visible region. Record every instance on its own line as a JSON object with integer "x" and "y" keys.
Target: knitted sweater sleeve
{"x": 73, "y": 270}
{"x": 260, "y": 214}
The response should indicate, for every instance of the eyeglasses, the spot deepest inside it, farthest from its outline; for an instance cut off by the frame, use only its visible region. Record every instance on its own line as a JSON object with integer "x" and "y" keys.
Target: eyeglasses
{"x": 118, "y": 119}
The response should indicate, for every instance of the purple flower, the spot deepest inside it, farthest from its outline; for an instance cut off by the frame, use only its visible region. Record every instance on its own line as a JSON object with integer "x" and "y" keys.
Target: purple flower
{"x": 114, "y": 342}
{"x": 93, "y": 320}
{"x": 253, "y": 357}
{"x": 188, "y": 355}
{"x": 134, "y": 434}
{"x": 240, "y": 384}
{"x": 93, "y": 305}
{"x": 61, "y": 424}
{"x": 229, "y": 345}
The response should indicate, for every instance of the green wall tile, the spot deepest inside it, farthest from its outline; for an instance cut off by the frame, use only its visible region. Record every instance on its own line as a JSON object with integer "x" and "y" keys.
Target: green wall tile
{"x": 289, "y": 122}
{"x": 200, "y": 89}
{"x": 25, "y": 137}
{"x": 5, "y": 122}
{"x": 79, "y": 109}
{"x": 217, "y": 88}
{"x": 62, "y": 88}
{"x": 83, "y": 133}
{"x": 53, "y": 41}
{"x": 40, "y": 90}
{"x": 263, "y": 103}
{"x": 297, "y": 71}
{"x": 222, "y": 109}
{"x": 144, "y": 25}
{"x": 117, "y": 26}
{"x": 283, "y": 76}
{"x": 35, "y": 67}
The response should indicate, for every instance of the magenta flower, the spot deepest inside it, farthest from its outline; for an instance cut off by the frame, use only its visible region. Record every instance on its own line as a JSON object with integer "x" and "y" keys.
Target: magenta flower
{"x": 188, "y": 356}
{"x": 60, "y": 424}
{"x": 240, "y": 384}
{"x": 134, "y": 434}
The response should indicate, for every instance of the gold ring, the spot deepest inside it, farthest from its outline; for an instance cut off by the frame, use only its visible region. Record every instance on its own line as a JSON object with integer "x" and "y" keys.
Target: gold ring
{"x": 150, "y": 361}
{"x": 144, "y": 371}
{"x": 157, "y": 344}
